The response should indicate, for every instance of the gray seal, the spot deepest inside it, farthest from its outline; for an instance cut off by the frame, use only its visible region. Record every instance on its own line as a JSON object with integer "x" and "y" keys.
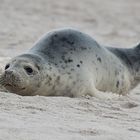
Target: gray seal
{"x": 67, "y": 62}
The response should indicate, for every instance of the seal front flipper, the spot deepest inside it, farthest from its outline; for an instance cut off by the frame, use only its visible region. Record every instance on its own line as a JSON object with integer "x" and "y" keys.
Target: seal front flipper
{"x": 105, "y": 95}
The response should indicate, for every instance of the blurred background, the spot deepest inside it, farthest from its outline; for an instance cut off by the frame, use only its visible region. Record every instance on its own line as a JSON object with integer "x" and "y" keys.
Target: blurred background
{"x": 110, "y": 22}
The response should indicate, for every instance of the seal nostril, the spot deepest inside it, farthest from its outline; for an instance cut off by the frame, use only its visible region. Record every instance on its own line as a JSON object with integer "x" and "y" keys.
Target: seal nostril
{"x": 7, "y": 66}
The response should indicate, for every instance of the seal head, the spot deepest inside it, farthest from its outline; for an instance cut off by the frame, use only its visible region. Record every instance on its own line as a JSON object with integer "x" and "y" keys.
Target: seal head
{"x": 23, "y": 74}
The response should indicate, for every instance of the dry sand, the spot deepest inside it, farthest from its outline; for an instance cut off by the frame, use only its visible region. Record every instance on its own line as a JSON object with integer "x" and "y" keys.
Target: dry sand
{"x": 110, "y": 22}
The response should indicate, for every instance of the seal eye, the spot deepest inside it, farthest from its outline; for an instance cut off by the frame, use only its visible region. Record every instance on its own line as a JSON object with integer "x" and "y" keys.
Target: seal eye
{"x": 7, "y": 66}
{"x": 28, "y": 70}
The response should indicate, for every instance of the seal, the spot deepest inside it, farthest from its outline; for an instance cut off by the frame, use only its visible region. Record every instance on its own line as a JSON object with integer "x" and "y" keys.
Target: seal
{"x": 67, "y": 62}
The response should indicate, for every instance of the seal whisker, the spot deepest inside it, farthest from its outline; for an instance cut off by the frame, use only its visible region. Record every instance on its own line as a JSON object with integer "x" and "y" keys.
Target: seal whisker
{"x": 1, "y": 81}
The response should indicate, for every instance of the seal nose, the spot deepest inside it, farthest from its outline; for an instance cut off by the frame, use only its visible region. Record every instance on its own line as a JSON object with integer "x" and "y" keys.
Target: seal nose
{"x": 9, "y": 76}
{"x": 8, "y": 72}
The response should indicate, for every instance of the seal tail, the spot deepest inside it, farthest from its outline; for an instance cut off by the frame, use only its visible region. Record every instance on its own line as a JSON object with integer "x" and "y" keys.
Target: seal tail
{"x": 138, "y": 47}
{"x": 136, "y": 65}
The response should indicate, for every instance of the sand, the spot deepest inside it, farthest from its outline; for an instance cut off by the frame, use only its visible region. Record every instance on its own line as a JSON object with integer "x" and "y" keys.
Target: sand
{"x": 114, "y": 23}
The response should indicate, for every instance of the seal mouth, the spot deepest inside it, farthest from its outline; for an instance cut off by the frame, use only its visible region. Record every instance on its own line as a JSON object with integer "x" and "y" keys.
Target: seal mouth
{"x": 8, "y": 85}
{"x": 13, "y": 87}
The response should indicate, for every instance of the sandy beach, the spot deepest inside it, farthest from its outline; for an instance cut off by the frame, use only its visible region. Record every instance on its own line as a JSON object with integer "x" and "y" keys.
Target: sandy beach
{"x": 111, "y": 23}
